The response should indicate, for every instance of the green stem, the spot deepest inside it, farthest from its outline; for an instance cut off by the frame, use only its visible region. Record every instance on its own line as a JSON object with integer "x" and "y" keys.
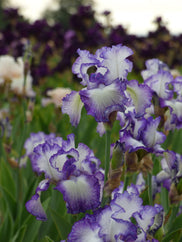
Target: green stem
{"x": 126, "y": 182}
{"x": 173, "y": 211}
{"x": 126, "y": 177}
{"x": 107, "y": 153}
{"x": 106, "y": 198}
{"x": 149, "y": 183}
{"x": 165, "y": 199}
{"x": 2, "y": 151}
{"x": 24, "y": 131}
{"x": 20, "y": 152}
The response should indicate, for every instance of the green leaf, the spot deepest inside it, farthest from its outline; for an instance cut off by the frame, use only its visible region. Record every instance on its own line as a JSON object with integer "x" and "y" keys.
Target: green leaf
{"x": 156, "y": 165}
{"x": 172, "y": 237}
{"x": 16, "y": 126}
{"x": 18, "y": 237}
{"x": 164, "y": 198}
{"x": 177, "y": 224}
{"x": 173, "y": 141}
{"x": 57, "y": 204}
{"x": 47, "y": 239}
{"x": 172, "y": 214}
{"x": 175, "y": 227}
{"x": 6, "y": 178}
{"x": 10, "y": 201}
{"x": 33, "y": 226}
{"x": 62, "y": 226}
{"x": 6, "y": 227}
{"x": 144, "y": 196}
{"x": 149, "y": 184}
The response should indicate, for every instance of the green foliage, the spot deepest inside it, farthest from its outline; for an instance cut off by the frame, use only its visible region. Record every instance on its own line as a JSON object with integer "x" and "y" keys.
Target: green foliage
{"x": 173, "y": 141}
{"x": 175, "y": 230}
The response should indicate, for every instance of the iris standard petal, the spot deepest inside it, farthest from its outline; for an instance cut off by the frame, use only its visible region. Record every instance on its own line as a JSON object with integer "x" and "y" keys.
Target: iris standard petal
{"x": 116, "y": 63}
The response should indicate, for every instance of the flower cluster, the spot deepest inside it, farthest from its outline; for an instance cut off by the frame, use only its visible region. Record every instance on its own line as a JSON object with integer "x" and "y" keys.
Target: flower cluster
{"x": 108, "y": 90}
{"x": 125, "y": 219}
{"x": 166, "y": 91}
{"x": 145, "y": 113}
{"x": 104, "y": 89}
{"x": 74, "y": 171}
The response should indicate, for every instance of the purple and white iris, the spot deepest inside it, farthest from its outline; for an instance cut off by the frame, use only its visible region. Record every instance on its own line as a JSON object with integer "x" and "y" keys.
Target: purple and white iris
{"x": 167, "y": 92}
{"x": 36, "y": 139}
{"x": 114, "y": 222}
{"x": 140, "y": 97}
{"x": 104, "y": 90}
{"x": 160, "y": 84}
{"x": 153, "y": 67}
{"x": 171, "y": 169}
{"x": 107, "y": 89}
{"x": 174, "y": 113}
{"x": 74, "y": 170}
{"x": 142, "y": 134}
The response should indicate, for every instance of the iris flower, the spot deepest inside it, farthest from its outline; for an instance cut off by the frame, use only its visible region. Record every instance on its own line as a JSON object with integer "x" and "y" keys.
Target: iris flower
{"x": 104, "y": 89}
{"x": 114, "y": 221}
{"x": 74, "y": 171}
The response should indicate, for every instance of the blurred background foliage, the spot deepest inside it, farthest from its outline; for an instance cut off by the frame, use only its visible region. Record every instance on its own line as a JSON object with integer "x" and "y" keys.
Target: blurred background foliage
{"x": 65, "y": 9}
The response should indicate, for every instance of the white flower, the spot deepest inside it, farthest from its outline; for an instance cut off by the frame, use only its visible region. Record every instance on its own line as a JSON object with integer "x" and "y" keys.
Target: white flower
{"x": 12, "y": 70}
{"x": 9, "y": 68}
{"x": 56, "y": 95}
